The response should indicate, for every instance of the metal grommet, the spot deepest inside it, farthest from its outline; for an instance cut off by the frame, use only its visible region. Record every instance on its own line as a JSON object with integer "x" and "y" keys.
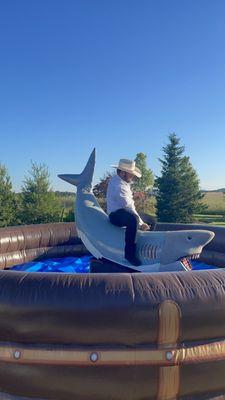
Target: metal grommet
{"x": 94, "y": 357}
{"x": 17, "y": 354}
{"x": 169, "y": 355}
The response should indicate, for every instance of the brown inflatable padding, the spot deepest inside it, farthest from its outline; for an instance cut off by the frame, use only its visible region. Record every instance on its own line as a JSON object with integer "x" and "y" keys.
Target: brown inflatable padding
{"x": 215, "y": 258}
{"x": 74, "y": 383}
{"x": 179, "y": 317}
{"x": 193, "y": 378}
{"x": 22, "y": 256}
{"x": 120, "y": 309}
{"x": 34, "y": 236}
{"x": 21, "y": 244}
{"x": 214, "y": 396}
{"x": 111, "y": 311}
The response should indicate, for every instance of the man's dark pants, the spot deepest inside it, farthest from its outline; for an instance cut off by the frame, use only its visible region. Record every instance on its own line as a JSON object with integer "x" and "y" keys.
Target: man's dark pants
{"x": 129, "y": 220}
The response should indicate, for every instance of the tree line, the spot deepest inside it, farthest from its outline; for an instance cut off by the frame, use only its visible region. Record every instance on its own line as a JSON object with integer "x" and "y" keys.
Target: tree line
{"x": 36, "y": 203}
{"x": 174, "y": 196}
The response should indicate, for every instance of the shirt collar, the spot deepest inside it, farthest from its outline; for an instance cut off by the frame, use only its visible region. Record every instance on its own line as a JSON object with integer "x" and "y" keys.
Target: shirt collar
{"x": 122, "y": 180}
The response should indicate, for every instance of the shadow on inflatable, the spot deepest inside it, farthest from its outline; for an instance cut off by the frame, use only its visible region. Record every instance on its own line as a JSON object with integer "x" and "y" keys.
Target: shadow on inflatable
{"x": 108, "y": 336}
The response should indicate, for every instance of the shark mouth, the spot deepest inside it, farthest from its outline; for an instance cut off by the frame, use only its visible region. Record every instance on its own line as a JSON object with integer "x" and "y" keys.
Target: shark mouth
{"x": 186, "y": 261}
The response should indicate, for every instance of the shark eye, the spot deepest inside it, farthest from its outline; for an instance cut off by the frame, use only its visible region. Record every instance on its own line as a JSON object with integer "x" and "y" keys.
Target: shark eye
{"x": 189, "y": 237}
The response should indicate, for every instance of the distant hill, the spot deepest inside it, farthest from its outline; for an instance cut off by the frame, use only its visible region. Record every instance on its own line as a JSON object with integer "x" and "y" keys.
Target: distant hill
{"x": 215, "y": 190}
{"x": 64, "y": 194}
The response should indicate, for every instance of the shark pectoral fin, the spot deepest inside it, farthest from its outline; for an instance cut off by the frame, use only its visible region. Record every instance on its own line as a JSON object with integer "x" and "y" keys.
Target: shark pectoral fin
{"x": 89, "y": 245}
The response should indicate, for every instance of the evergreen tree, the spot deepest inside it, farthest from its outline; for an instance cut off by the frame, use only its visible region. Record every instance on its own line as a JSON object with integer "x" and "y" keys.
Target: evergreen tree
{"x": 178, "y": 197}
{"x": 39, "y": 203}
{"x": 146, "y": 181}
{"x": 7, "y": 199}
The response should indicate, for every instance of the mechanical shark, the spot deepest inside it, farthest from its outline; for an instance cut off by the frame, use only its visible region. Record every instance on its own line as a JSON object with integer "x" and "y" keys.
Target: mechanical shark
{"x": 157, "y": 251}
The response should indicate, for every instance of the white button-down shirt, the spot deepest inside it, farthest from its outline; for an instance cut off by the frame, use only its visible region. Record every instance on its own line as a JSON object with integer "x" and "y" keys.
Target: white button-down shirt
{"x": 119, "y": 195}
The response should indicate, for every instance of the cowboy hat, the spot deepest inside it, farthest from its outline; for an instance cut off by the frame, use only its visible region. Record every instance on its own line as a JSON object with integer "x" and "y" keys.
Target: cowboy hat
{"x": 128, "y": 166}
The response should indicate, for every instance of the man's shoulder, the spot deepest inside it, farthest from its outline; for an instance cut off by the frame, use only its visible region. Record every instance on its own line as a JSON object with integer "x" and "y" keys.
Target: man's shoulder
{"x": 111, "y": 182}
{"x": 114, "y": 179}
{"x": 117, "y": 182}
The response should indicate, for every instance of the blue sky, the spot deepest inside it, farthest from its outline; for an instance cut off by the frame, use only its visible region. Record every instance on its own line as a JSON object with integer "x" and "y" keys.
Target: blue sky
{"x": 118, "y": 75}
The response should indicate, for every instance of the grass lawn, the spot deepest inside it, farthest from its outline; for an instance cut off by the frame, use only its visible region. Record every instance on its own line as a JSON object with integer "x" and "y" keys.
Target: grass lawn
{"x": 215, "y": 201}
{"x": 215, "y": 214}
{"x": 210, "y": 219}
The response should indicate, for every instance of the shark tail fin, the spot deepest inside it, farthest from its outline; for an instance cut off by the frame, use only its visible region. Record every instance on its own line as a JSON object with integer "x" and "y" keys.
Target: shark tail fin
{"x": 85, "y": 178}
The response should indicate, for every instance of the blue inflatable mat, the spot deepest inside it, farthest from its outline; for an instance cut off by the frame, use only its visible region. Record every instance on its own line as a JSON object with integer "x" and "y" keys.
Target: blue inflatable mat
{"x": 75, "y": 265}
{"x": 197, "y": 265}
{"x": 67, "y": 265}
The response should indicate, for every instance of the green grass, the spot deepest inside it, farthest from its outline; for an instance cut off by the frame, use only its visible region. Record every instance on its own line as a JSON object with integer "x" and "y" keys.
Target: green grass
{"x": 215, "y": 201}
{"x": 215, "y": 213}
{"x": 214, "y": 219}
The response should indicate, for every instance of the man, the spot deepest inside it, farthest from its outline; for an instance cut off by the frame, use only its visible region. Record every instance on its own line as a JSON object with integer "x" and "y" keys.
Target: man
{"x": 121, "y": 208}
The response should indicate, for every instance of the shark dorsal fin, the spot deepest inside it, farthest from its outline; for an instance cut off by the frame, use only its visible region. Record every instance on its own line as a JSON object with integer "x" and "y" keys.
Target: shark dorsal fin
{"x": 83, "y": 180}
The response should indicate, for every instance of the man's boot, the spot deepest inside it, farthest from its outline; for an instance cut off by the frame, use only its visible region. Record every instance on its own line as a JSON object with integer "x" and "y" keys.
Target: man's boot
{"x": 130, "y": 255}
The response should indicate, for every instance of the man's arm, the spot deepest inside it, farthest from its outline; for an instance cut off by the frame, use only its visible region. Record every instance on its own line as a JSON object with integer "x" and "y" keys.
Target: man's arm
{"x": 127, "y": 202}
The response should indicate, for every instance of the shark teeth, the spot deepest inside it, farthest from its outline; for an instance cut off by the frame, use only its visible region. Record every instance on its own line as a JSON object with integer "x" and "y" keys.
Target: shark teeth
{"x": 186, "y": 260}
{"x": 195, "y": 256}
{"x": 186, "y": 263}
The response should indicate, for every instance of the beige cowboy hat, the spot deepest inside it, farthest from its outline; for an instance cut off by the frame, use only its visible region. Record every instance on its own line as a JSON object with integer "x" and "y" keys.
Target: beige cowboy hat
{"x": 128, "y": 166}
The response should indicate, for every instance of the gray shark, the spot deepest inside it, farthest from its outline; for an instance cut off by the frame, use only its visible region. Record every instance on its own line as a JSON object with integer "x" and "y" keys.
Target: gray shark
{"x": 157, "y": 251}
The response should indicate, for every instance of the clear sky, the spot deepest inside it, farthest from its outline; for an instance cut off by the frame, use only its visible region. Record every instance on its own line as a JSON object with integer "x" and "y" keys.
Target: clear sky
{"x": 118, "y": 75}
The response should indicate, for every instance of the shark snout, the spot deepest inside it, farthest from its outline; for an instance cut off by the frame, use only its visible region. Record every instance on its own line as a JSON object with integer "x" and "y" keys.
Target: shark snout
{"x": 179, "y": 244}
{"x": 204, "y": 237}
{"x": 199, "y": 238}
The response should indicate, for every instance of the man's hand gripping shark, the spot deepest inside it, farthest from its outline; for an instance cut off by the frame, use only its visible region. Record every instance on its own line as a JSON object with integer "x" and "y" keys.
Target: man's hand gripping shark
{"x": 157, "y": 251}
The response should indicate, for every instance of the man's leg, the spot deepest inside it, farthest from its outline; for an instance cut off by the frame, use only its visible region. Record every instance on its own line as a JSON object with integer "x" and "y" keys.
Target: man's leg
{"x": 128, "y": 219}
